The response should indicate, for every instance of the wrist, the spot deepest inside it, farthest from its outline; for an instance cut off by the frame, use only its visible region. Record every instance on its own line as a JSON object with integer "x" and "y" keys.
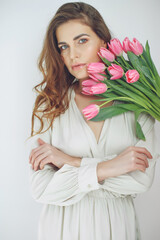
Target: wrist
{"x": 75, "y": 161}
{"x": 104, "y": 170}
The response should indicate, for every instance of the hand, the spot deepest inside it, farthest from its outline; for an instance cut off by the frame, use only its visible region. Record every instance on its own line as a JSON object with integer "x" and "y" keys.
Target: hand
{"x": 47, "y": 153}
{"x": 131, "y": 159}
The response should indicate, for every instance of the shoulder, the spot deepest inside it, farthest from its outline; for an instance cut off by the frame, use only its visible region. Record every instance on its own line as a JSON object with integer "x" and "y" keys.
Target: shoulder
{"x": 145, "y": 120}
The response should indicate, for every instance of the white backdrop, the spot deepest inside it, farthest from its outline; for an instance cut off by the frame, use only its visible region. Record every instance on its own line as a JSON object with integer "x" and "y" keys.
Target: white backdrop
{"x": 22, "y": 29}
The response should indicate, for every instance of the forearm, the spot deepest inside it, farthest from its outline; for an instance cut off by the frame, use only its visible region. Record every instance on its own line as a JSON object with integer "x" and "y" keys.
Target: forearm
{"x": 104, "y": 170}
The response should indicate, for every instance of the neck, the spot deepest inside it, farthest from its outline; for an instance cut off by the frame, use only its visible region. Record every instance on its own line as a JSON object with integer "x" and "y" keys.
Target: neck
{"x": 78, "y": 86}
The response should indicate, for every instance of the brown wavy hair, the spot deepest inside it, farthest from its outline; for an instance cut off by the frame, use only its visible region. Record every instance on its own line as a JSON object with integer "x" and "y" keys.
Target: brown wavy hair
{"x": 52, "y": 98}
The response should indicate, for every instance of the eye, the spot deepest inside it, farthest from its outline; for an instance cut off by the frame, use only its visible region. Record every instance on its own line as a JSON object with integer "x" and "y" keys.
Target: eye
{"x": 63, "y": 47}
{"x": 83, "y": 40}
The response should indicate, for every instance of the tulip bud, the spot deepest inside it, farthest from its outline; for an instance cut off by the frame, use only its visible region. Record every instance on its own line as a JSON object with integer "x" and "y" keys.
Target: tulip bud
{"x": 99, "y": 88}
{"x": 132, "y": 76}
{"x": 91, "y": 111}
{"x": 96, "y": 67}
{"x": 126, "y": 46}
{"x": 105, "y": 53}
{"x": 87, "y": 91}
{"x": 97, "y": 76}
{"x": 136, "y": 47}
{"x": 115, "y": 47}
{"x": 116, "y": 71}
{"x": 89, "y": 82}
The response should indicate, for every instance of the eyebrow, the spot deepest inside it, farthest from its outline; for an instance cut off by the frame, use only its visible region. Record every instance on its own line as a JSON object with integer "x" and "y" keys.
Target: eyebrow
{"x": 75, "y": 38}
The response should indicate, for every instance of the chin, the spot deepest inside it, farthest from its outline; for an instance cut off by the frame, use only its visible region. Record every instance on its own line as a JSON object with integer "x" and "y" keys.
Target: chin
{"x": 81, "y": 75}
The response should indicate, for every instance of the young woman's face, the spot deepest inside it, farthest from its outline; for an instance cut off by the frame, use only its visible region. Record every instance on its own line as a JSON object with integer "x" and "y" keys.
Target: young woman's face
{"x": 78, "y": 45}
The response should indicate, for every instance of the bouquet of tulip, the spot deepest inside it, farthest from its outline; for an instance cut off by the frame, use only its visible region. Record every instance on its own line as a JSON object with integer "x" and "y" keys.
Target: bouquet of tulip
{"x": 134, "y": 81}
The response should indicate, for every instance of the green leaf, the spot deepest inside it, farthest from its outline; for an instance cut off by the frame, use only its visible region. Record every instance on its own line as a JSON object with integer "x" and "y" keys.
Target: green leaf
{"x": 145, "y": 55}
{"x": 120, "y": 61}
{"x": 148, "y": 93}
{"x": 121, "y": 91}
{"x": 111, "y": 111}
{"x": 152, "y": 81}
{"x": 139, "y": 131}
{"x": 146, "y": 72}
{"x": 153, "y": 67}
{"x": 114, "y": 110}
{"x": 108, "y": 112}
{"x": 134, "y": 60}
{"x": 106, "y": 61}
{"x": 131, "y": 87}
{"x": 143, "y": 61}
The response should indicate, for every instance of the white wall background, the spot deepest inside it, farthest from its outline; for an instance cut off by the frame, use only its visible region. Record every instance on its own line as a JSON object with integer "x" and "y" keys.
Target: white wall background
{"x": 22, "y": 29}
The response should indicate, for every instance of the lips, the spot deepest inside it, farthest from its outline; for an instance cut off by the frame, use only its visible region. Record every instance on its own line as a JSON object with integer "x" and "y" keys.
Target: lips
{"x": 78, "y": 66}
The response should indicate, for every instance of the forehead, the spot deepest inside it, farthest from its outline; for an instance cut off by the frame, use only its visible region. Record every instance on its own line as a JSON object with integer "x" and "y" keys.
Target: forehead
{"x": 72, "y": 28}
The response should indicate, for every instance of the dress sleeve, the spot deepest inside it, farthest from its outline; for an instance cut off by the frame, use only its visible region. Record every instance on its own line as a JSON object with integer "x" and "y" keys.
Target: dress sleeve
{"x": 64, "y": 186}
{"x": 136, "y": 181}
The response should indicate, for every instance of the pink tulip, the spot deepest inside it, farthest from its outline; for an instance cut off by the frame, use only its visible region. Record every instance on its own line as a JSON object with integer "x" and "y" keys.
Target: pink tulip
{"x": 87, "y": 91}
{"x": 105, "y": 53}
{"x": 95, "y": 89}
{"x": 91, "y": 111}
{"x": 132, "y": 76}
{"x": 116, "y": 71}
{"x": 115, "y": 47}
{"x": 97, "y": 76}
{"x": 89, "y": 83}
{"x": 136, "y": 47}
{"x": 126, "y": 46}
{"x": 99, "y": 88}
{"x": 96, "y": 67}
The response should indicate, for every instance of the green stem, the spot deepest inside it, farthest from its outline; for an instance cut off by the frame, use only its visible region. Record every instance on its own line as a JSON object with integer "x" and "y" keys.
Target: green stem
{"x": 117, "y": 98}
{"x": 137, "y": 99}
{"x": 121, "y": 90}
{"x": 126, "y": 63}
{"x": 121, "y": 65}
{"x": 145, "y": 82}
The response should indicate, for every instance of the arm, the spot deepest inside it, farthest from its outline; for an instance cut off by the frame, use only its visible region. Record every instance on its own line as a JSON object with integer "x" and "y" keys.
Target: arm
{"x": 135, "y": 181}
{"x": 64, "y": 186}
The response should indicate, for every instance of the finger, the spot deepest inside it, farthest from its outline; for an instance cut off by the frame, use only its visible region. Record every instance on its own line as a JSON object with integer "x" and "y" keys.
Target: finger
{"x": 43, "y": 163}
{"x": 31, "y": 154}
{"x": 143, "y": 150}
{"x": 143, "y": 157}
{"x": 36, "y": 152}
{"x": 38, "y": 161}
{"x": 40, "y": 141}
{"x": 141, "y": 167}
{"x": 141, "y": 162}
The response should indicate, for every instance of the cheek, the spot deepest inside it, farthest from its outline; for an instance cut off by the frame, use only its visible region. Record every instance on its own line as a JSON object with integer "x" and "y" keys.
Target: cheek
{"x": 92, "y": 53}
{"x": 64, "y": 59}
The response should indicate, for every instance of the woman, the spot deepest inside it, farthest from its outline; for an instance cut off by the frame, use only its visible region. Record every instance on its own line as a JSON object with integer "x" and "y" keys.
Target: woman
{"x": 86, "y": 173}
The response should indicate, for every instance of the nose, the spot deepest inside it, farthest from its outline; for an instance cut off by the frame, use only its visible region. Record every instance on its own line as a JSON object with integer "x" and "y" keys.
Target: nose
{"x": 74, "y": 53}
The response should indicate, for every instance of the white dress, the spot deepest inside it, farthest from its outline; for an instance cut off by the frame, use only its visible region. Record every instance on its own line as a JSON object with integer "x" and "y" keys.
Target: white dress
{"x": 76, "y": 205}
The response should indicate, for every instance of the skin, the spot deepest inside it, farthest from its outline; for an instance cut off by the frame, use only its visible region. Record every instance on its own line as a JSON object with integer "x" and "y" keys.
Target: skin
{"x": 79, "y": 45}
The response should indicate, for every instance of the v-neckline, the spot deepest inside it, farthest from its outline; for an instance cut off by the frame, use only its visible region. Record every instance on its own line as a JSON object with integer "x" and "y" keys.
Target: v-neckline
{"x": 73, "y": 94}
